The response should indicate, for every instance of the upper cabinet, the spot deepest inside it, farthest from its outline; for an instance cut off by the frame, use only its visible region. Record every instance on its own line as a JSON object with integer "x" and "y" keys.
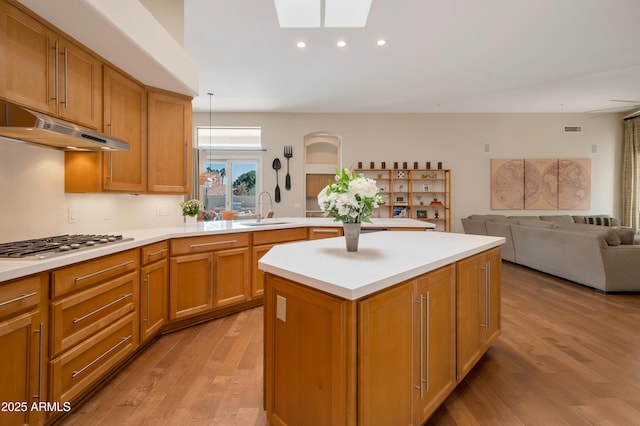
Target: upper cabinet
{"x": 169, "y": 143}
{"x": 47, "y": 72}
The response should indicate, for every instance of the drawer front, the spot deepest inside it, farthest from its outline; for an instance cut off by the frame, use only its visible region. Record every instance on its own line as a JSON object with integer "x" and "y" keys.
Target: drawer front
{"x": 324, "y": 232}
{"x": 92, "y": 272}
{"x": 154, "y": 252}
{"x": 208, "y": 243}
{"x": 274, "y": 236}
{"x": 81, "y": 367}
{"x": 81, "y": 315}
{"x": 20, "y": 295}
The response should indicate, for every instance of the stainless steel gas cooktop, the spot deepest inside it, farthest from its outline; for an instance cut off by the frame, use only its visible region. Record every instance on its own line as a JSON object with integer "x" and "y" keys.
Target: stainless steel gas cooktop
{"x": 41, "y": 248}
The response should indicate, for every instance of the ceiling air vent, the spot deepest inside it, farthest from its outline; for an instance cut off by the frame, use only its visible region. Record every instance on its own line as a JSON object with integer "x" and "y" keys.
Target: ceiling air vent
{"x": 573, "y": 129}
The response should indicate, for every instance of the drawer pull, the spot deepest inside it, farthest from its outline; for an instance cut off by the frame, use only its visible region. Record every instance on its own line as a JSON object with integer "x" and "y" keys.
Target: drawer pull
{"x": 77, "y": 320}
{"x": 76, "y": 373}
{"x": 17, "y": 299}
{"x": 157, "y": 252}
{"x": 325, "y": 231}
{"x": 213, "y": 244}
{"x": 84, "y": 277}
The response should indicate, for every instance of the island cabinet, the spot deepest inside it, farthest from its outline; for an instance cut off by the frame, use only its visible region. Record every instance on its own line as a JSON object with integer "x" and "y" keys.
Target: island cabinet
{"x": 23, "y": 357}
{"x": 380, "y": 343}
{"x": 318, "y": 232}
{"x": 262, "y": 242}
{"x": 169, "y": 125}
{"x": 207, "y": 273}
{"x": 94, "y": 321}
{"x": 154, "y": 289}
{"x": 46, "y": 71}
{"x": 478, "y": 307}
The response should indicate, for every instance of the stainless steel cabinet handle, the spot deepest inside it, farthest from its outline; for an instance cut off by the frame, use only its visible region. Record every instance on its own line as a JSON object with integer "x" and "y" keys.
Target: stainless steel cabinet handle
{"x": 210, "y": 278}
{"x": 57, "y": 73}
{"x": 427, "y": 343}
{"x": 213, "y": 244}
{"x": 66, "y": 78}
{"x": 40, "y": 331}
{"x": 84, "y": 277}
{"x": 77, "y": 320}
{"x": 488, "y": 295}
{"x": 421, "y": 301}
{"x": 147, "y": 280}
{"x": 19, "y": 298}
{"x": 116, "y": 346}
{"x": 157, "y": 252}
{"x": 325, "y": 231}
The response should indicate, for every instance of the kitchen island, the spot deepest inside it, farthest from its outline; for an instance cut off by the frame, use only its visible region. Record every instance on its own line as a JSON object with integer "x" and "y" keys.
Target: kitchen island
{"x": 379, "y": 336}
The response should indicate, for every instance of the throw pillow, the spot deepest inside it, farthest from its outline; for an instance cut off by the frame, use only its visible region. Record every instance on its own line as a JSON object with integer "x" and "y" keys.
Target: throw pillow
{"x": 626, "y": 235}
{"x": 599, "y": 220}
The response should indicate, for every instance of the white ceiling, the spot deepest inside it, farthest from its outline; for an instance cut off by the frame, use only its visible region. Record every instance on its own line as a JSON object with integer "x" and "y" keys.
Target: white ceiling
{"x": 441, "y": 56}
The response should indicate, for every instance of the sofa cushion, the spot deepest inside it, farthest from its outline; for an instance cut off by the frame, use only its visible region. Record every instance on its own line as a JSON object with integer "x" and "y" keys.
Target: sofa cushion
{"x": 598, "y": 219}
{"x": 487, "y": 216}
{"x": 558, "y": 218}
{"x": 523, "y": 217}
{"x": 626, "y": 235}
{"x": 609, "y": 234}
{"x": 474, "y": 226}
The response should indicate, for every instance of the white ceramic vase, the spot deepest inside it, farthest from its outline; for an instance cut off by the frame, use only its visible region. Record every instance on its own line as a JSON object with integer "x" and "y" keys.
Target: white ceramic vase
{"x": 190, "y": 221}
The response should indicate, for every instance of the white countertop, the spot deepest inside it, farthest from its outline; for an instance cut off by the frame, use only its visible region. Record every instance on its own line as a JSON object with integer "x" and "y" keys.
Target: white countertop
{"x": 11, "y": 269}
{"x": 383, "y": 259}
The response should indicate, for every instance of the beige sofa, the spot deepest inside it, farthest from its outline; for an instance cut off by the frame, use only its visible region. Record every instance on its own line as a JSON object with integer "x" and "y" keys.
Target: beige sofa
{"x": 603, "y": 257}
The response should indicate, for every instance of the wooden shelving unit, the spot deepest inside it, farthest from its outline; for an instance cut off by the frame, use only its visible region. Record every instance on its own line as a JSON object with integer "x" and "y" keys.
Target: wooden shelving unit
{"x": 422, "y": 194}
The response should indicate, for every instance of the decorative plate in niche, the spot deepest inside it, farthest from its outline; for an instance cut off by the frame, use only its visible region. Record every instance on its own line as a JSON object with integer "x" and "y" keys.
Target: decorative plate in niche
{"x": 401, "y": 174}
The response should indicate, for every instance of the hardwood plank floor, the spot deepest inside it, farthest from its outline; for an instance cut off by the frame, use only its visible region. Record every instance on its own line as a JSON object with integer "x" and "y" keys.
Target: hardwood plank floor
{"x": 567, "y": 355}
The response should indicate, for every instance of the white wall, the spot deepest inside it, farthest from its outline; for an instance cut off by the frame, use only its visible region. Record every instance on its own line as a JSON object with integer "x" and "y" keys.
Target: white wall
{"x": 32, "y": 178}
{"x": 455, "y": 139}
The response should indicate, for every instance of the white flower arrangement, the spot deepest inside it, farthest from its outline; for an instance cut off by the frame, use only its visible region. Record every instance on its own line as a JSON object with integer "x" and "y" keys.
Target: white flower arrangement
{"x": 191, "y": 207}
{"x": 351, "y": 198}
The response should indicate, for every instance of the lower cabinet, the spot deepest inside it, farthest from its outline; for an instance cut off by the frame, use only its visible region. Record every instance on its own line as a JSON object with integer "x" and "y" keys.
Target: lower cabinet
{"x": 478, "y": 307}
{"x": 24, "y": 354}
{"x": 154, "y": 287}
{"x": 207, "y": 273}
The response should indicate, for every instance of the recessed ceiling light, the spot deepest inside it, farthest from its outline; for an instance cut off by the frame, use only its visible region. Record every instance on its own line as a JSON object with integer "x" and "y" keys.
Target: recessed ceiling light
{"x": 341, "y": 43}
{"x": 381, "y": 42}
{"x": 301, "y": 44}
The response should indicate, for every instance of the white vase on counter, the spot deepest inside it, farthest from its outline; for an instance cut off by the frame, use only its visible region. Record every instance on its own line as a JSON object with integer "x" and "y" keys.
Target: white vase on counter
{"x": 190, "y": 221}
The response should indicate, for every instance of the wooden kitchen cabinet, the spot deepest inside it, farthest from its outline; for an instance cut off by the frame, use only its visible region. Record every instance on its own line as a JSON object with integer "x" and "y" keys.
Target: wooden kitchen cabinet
{"x": 24, "y": 354}
{"x": 48, "y": 72}
{"x": 434, "y": 341}
{"x": 478, "y": 307}
{"x": 169, "y": 147}
{"x": 125, "y": 117}
{"x": 262, "y": 243}
{"x": 316, "y": 233}
{"x": 94, "y": 321}
{"x": 208, "y": 272}
{"x": 154, "y": 289}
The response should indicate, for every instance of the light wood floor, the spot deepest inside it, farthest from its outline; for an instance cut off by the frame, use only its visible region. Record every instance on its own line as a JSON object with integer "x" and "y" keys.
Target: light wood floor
{"x": 568, "y": 355}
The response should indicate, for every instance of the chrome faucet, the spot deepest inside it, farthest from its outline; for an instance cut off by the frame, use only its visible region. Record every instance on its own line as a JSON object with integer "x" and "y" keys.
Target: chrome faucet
{"x": 259, "y": 211}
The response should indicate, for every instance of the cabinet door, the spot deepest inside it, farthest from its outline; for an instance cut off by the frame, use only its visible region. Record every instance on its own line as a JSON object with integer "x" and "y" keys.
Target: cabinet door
{"x": 470, "y": 312}
{"x": 125, "y": 117}
{"x": 153, "y": 299}
{"x": 493, "y": 263}
{"x": 79, "y": 85}
{"x": 190, "y": 285}
{"x": 257, "y": 275}
{"x": 21, "y": 375}
{"x": 385, "y": 375}
{"x": 435, "y": 348}
{"x": 169, "y": 167}
{"x": 232, "y": 276}
{"x": 28, "y": 51}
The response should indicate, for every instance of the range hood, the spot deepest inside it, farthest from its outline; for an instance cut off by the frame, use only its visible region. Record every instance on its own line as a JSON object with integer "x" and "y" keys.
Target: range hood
{"x": 30, "y": 126}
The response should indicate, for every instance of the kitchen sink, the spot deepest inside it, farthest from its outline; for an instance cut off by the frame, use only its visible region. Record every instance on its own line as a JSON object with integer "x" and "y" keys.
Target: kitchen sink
{"x": 253, "y": 223}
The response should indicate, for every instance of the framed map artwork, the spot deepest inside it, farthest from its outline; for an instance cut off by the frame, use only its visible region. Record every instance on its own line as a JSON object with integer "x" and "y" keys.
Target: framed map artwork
{"x": 541, "y": 184}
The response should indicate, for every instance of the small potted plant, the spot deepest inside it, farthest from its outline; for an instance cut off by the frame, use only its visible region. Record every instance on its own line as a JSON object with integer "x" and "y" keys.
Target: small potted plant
{"x": 190, "y": 210}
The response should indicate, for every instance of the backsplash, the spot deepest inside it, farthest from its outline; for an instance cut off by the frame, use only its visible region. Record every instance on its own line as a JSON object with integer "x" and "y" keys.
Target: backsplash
{"x": 35, "y": 205}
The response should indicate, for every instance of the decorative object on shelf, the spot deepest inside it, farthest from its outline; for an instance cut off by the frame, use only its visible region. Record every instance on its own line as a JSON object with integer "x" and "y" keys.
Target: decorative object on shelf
{"x": 359, "y": 164}
{"x": 436, "y": 202}
{"x": 190, "y": 210}
{"x": 399, "y": 211}
{"x": 415, "y": 164}
{"x": 439, "y": 165}
{"x": 350, "y": 199}
{"x": 421, "y": 214}
{"x": 426, "y": 187}
{"x": 419, "y": 197}
{"x": 384, "y": 165}
{"x": 401, "y": 188}
{"x": 399, "y": 199}
{"x": 404, "y": 164}
{"x": 428, "y": 164}
{"x": 395, "y": 164}
{"x": 372, "y": 165}
{"x": 436, "y": 214}
{"x": 288, "y": 153}
{"x": 400, "y": 174}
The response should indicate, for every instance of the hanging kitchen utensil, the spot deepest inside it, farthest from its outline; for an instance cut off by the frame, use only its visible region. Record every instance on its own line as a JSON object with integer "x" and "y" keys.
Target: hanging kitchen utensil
{"x": 277, "y": 166}
{"x": 288, "y": 153}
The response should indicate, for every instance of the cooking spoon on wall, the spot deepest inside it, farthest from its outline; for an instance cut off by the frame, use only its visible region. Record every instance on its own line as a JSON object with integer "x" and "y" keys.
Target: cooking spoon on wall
{"x": 276, "y": 166}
